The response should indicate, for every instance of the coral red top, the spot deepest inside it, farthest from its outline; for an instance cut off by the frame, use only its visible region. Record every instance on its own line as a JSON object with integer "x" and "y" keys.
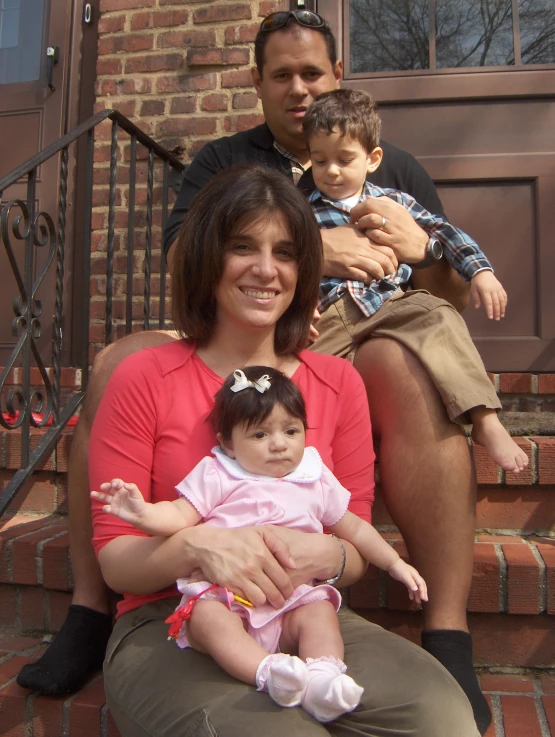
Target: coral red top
{"x": 151, "y": 429}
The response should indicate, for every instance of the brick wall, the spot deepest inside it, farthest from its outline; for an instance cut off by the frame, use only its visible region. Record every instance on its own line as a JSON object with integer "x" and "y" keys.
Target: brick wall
{"x": 181, "y": 72}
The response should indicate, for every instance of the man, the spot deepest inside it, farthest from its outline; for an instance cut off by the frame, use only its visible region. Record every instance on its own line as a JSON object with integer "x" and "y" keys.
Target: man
{"x": 426, "y": 474}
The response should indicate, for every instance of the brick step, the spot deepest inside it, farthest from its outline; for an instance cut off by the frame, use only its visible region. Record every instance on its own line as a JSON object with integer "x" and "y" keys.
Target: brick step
{"x": 513, "y": 591}
{"x": 522, "y": 702}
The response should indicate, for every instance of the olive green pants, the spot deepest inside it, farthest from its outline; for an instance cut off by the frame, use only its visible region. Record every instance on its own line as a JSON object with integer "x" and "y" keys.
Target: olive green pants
{"x": 155, "y": 689}
{"x": 430, "y": 328}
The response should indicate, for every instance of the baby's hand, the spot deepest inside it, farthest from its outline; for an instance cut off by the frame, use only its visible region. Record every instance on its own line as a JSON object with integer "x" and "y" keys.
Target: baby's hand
{"x": 414, "y": 582}
{"x": 123, "y": 500}
{"x": 484, "y": 285}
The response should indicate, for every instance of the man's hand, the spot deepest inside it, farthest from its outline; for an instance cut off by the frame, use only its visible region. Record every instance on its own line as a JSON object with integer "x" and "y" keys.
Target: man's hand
{"x": 399, "y": 232}
{"x": 348, "y": 254}
{"x": 486, "y": 288}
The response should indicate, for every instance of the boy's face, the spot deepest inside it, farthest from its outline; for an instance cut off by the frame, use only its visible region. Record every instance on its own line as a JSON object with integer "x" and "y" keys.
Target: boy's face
{"x": 275, "y": 447}
{"x": 340, "y": 164}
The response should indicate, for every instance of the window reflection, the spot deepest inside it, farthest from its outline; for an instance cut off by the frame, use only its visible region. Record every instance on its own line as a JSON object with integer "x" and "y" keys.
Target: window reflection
{"x": 20, "y": 40}
{"x": 474, "y": 33}
{"x": 9, "y": 23}
{"x": 393, "y": 35}
{"x": 389, "y": 35}
{"x": 537, "y": 31}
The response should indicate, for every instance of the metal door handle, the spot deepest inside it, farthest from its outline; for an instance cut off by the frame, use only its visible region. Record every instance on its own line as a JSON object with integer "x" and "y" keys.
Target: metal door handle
{"x": 52, "y": 56}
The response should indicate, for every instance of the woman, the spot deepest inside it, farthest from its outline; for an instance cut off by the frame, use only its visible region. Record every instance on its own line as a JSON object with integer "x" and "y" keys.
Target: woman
{"x": 245, "y": 281}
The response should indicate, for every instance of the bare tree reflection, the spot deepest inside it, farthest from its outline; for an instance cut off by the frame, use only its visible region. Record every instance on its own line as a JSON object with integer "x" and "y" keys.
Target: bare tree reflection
{"x": 393, "y": 35}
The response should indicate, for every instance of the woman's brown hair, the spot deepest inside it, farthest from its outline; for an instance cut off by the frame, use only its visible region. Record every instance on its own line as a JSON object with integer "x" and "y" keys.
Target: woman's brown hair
{"x": 242, "y": 193}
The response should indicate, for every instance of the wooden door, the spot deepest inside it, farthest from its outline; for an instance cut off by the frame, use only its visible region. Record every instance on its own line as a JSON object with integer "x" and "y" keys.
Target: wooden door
{"x": 35, "y": 100}
{"x": 480, "y": 116}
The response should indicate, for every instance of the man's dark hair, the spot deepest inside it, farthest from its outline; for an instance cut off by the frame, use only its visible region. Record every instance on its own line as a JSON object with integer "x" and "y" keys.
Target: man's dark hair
{"x": 250, "y": 407}
{"x": 353, "y": 113}
{"x": 262, "y": 39}
{"x": 241, "y": 194}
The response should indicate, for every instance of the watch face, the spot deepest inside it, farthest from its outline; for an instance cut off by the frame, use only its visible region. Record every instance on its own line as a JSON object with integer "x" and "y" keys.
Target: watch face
{"x": 436, "y": 249}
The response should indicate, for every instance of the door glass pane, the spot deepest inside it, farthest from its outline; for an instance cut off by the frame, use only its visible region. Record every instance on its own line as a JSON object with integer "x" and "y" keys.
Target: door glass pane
{"x": 388, "y": 35}
{"x": 21, "y": 52}
{"x": 474, "y": 33}
{"x": 537, "y": 31}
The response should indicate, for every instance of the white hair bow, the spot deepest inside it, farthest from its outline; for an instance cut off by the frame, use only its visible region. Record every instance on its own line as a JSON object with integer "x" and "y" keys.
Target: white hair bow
{"x": 241, "y": 382}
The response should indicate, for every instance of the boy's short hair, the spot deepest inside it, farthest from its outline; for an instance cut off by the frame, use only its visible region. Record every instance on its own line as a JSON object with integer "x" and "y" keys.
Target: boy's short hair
{"x": 353, "y": 113}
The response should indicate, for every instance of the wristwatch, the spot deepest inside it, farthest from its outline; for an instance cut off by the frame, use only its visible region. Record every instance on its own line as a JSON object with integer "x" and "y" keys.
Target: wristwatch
{"x": 339, "y": 575}
{"x": 434, "y": 252}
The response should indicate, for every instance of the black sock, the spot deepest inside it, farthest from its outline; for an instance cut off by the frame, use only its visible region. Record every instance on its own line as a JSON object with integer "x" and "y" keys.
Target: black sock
{"x": 453, "y": 649}
{"x": 76, "y": 652}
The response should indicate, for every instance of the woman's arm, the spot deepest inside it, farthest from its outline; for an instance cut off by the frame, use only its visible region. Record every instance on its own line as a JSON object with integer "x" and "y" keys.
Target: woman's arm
{"x": 249, "y": 561}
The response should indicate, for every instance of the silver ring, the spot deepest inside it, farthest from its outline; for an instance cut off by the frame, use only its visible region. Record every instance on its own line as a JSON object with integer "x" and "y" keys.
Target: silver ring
{"x": 384, "y": 222}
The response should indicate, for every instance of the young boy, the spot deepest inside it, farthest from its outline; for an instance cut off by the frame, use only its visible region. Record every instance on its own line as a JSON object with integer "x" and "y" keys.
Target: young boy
{"x": 342, "y": 131}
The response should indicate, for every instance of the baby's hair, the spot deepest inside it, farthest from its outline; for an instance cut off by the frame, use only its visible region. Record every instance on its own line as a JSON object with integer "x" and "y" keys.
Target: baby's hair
{"x": 353, "y": 113}
{"x": 249, "y": 406}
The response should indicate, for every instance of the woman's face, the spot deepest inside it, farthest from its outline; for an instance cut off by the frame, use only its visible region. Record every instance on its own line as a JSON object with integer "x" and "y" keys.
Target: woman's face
{"x": 259, "y": 276}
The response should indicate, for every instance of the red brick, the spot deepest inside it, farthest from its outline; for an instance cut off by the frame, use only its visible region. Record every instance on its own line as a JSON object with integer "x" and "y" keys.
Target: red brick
{"x": 237, "y": 78}
{"x": 154, "y": 63}
{"x": 107, "y": 5}
{"x": 219, "y": 13}
{"x": 236, "y": 56}
{"x": 186, "y": 39}
{"x": 241, "y": 34}
{"x": 214, "y": 102}
{"x": 503, "y": 683}
{"x": 13, "y": 711}
{"x": 153, "y": 107}
{"x": 548, "y": 684}
{"x": 484, "y": 593}
{"x": 183, "y": 105}
{"x": 546, "y": 383}
{"x": 269, "y": 6}
{"x": 547, "y": 552}
{"x": 487, "y": 471}
{"x": 127, "y": 43}
{"x": 515, "y": 383}
{"x": 8, "y": 606}
{"x": 520, "y": 717}
{"x": 245, "y": 100}
{"x": 205, "y": 57}
{"x": 507, "y": 539}
{"x": 33, "y": 609}
{"x": 238, "y": 123}
{"x": 48, "y": 716}
{"x": 108, "y": 66}
{"x": 546, "y": 460}
{"x": 55, "y": 564}
{"x": 524, "y": 579}
{"x": 111, "y": 24}
{"x": 187, "y": 83}
{"x": 549, "y": 706}
{"x": 528, "y": 476}
{"x": 85, "y": 710}
{"x": 11, "y": 667}
{"x": 186, "y": 126}
{"x": 526, "y": 509}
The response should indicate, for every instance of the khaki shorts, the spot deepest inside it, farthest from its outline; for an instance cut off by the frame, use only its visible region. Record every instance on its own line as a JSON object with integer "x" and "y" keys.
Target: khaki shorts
{"x": 154, "y": 689}
{"x": 430, "y": 328}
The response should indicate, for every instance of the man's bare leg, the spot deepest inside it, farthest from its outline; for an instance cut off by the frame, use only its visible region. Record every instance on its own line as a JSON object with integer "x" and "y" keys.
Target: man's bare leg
{"x": 428, "y": 484}
{"x": 78, "y": 649}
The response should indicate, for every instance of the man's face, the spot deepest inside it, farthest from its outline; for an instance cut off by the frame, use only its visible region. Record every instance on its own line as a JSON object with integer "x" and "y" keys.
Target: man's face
{"x": 296, "y": 70}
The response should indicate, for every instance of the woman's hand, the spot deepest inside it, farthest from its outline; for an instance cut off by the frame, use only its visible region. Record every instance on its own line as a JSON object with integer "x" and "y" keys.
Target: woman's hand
{"x": 249, "y": 561}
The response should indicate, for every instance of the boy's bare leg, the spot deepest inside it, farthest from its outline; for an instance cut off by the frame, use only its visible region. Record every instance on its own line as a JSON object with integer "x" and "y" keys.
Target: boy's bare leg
{"x": 428, "y": 483}
{"x": 78, "y": 649}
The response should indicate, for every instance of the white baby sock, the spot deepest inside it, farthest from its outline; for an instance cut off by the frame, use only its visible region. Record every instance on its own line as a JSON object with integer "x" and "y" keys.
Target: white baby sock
{"x": 329, "y": 692}
{"x": 284, "y": 677}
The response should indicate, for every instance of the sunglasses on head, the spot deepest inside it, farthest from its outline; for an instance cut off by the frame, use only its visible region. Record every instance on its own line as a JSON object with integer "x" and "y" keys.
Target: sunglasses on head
{"x": 306, "y": 18}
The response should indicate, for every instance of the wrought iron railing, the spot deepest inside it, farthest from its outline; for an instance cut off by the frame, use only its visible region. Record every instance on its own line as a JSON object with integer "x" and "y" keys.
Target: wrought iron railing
{"x": 27, "y": 230}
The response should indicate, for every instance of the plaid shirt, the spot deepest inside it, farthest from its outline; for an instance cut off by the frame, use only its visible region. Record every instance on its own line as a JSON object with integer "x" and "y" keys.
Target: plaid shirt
{"x": 459, "y": 249}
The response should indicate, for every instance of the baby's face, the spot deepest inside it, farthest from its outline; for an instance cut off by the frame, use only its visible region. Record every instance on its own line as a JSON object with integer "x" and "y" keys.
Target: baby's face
{"x": 275, "y": 447}
{"x": 339, "y": 165}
